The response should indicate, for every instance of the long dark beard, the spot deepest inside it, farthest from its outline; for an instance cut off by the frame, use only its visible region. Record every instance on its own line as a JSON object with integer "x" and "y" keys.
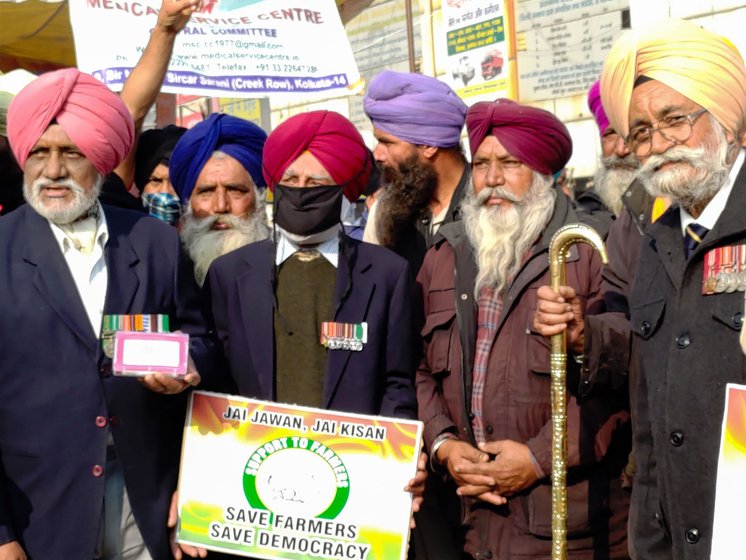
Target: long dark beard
{"x": 406, "y": 194}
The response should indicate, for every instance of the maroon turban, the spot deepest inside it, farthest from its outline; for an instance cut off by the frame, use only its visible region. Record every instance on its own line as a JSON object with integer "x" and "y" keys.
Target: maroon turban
{"x": 93, "y": 116}
{"x": 331, "y": 138}
{"x": 534, "y": 136}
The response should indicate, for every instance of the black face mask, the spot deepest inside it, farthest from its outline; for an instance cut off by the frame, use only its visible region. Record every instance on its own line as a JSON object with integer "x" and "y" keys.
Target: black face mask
{"x": 305, "y": 211}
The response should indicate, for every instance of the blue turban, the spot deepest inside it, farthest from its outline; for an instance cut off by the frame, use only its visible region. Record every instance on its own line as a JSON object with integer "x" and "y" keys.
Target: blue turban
{"x": 415, "y": 108}
{"x": 240, "y": 139}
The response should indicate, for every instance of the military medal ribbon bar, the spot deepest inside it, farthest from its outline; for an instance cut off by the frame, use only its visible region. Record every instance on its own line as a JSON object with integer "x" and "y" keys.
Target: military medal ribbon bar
{"x": 344, "y": 336}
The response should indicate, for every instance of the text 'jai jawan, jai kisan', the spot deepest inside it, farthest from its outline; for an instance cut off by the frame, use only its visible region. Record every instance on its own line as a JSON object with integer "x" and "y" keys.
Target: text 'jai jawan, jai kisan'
{"x": 356, "y": 430}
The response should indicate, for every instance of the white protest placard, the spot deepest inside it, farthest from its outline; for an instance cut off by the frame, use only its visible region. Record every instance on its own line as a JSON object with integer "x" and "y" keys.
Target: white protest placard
{"x": 728, "y": 540}
{"x": 269, "y": 480}
{"x": 235, "y": 48}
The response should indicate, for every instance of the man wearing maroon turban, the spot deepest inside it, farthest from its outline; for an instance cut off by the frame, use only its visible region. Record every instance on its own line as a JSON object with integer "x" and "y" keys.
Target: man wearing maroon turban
{"x": 306, "y": 284}
{"x": 483, "y": 385}
{"x": 88, "y": 460}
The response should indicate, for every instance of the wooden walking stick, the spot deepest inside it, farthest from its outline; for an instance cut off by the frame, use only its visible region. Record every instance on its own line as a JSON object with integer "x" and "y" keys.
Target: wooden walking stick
{"x": 558, "y": 248}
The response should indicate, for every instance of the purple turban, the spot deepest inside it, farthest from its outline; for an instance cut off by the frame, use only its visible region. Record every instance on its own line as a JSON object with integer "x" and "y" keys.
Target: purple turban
{"x": 594, "y": 104}
{"x": 239, "y": 138}
{"x": 93, "y": 116}
{"x": 415, "y": 108}
{"x": 534, "y": 136}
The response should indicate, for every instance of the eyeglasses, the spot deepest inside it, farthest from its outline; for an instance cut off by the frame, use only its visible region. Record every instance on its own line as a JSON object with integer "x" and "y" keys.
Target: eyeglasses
{"x": 675, "y": 128}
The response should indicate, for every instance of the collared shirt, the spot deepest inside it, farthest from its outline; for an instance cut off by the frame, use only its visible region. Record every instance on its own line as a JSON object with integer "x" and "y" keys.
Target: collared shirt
{"x": 489, "y": 307}
{"x": 88, "y": 271}
{"x": 715, "y": 207}
{"x": 286, "y": 248}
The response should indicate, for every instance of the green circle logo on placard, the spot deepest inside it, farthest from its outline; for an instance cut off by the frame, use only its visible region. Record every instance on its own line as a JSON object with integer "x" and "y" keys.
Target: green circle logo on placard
{"x": 274, "y": 480}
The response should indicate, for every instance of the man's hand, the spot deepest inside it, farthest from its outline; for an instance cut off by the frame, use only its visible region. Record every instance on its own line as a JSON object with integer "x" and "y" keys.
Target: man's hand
{"x": 461, "y": 460}
{"x": 178, "y": 550}
{"x": 169, "y": 385}
{"x": 512, "y": 469}
{"x": 12, "y": 551}
{"x": 558, "y": 312}
{"x": 174, "y": 14}
{"x": 416, "y": 486}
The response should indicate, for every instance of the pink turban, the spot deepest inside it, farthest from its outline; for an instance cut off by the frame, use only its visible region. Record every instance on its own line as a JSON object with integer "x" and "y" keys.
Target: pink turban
{"x": 594, "y": 104}
{"x": 534, "y": 136}
{"x": 699, "y": 64}
{"x": 93, "y": 116}
{"x": 331, "y": 138}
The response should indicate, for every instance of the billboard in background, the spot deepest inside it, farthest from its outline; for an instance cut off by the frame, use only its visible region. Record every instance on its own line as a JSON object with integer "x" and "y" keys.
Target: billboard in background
{"x": 477, "y": 46}
{"x": 561, "y": 45}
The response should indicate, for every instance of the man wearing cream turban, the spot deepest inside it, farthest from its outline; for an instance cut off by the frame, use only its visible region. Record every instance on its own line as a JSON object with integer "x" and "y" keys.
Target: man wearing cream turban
{"x": 479, "y": 290}
{"x": 89, "y": 461}
{"x": 216, "y": 169}
{"x": 417, "y": 122}
{"x": 678, "y": 94}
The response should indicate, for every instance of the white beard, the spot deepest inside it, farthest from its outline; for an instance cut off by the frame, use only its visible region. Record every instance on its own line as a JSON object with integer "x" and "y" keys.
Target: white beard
{"x": 502, "y": 235}
{"x": 611, "y": 181}
{"x": 696, "y": 177}
{"x": 204, "y": 244}
{"x": 58, "y": 211}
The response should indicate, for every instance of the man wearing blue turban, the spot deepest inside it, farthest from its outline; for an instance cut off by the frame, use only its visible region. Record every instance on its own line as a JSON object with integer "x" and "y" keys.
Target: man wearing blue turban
{"x": 216, "y": 169}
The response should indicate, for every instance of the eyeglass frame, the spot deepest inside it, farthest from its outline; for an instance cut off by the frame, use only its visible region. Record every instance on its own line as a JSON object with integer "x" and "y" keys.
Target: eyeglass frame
{"x": 691, "y": 118}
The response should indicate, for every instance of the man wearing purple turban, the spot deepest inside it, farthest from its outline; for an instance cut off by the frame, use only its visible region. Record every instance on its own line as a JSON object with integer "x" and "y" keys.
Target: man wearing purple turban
{"x": 483, "y": 384}
{"x": 417, "y": 121}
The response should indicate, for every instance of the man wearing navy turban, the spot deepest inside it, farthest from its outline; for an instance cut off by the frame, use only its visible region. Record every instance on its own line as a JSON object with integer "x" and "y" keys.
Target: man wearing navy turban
{"x": 483, "y": 385}
{"x": 216, "y": 169}
{"x": 417, "y": 121}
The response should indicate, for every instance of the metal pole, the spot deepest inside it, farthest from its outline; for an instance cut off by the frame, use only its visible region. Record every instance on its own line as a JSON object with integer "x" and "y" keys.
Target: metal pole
{"x": 558, "y": 249}
{"x": 410, "y": 34}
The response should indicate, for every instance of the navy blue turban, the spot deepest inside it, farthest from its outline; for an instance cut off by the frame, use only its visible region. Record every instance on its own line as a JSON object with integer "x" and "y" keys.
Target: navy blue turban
{"x": 240, "y": 139}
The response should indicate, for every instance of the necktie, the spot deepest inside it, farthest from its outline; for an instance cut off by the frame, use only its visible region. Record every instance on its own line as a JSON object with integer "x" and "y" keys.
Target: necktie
{"x": 82, "y": 234}
{"x": 693, "y": 236}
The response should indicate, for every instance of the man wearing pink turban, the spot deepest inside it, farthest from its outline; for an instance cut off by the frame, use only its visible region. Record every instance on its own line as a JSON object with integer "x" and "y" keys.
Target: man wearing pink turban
{"x": 483, "y": 385}
{"x": 417, "y": 122}
{"x": 311, "y": 280}
{"x": 70, "y": 431}
{"x": 678, "y": 93}
{"x": 616, "y": 168}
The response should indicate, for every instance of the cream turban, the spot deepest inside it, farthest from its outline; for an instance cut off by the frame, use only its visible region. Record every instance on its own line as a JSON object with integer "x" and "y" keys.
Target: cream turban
{"x": 697, "y": 63}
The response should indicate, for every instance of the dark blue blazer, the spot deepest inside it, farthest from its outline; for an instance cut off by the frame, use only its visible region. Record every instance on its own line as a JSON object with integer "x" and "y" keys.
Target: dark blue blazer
{"x": 372, "y": 285}
{"x": 56, "y": 387}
